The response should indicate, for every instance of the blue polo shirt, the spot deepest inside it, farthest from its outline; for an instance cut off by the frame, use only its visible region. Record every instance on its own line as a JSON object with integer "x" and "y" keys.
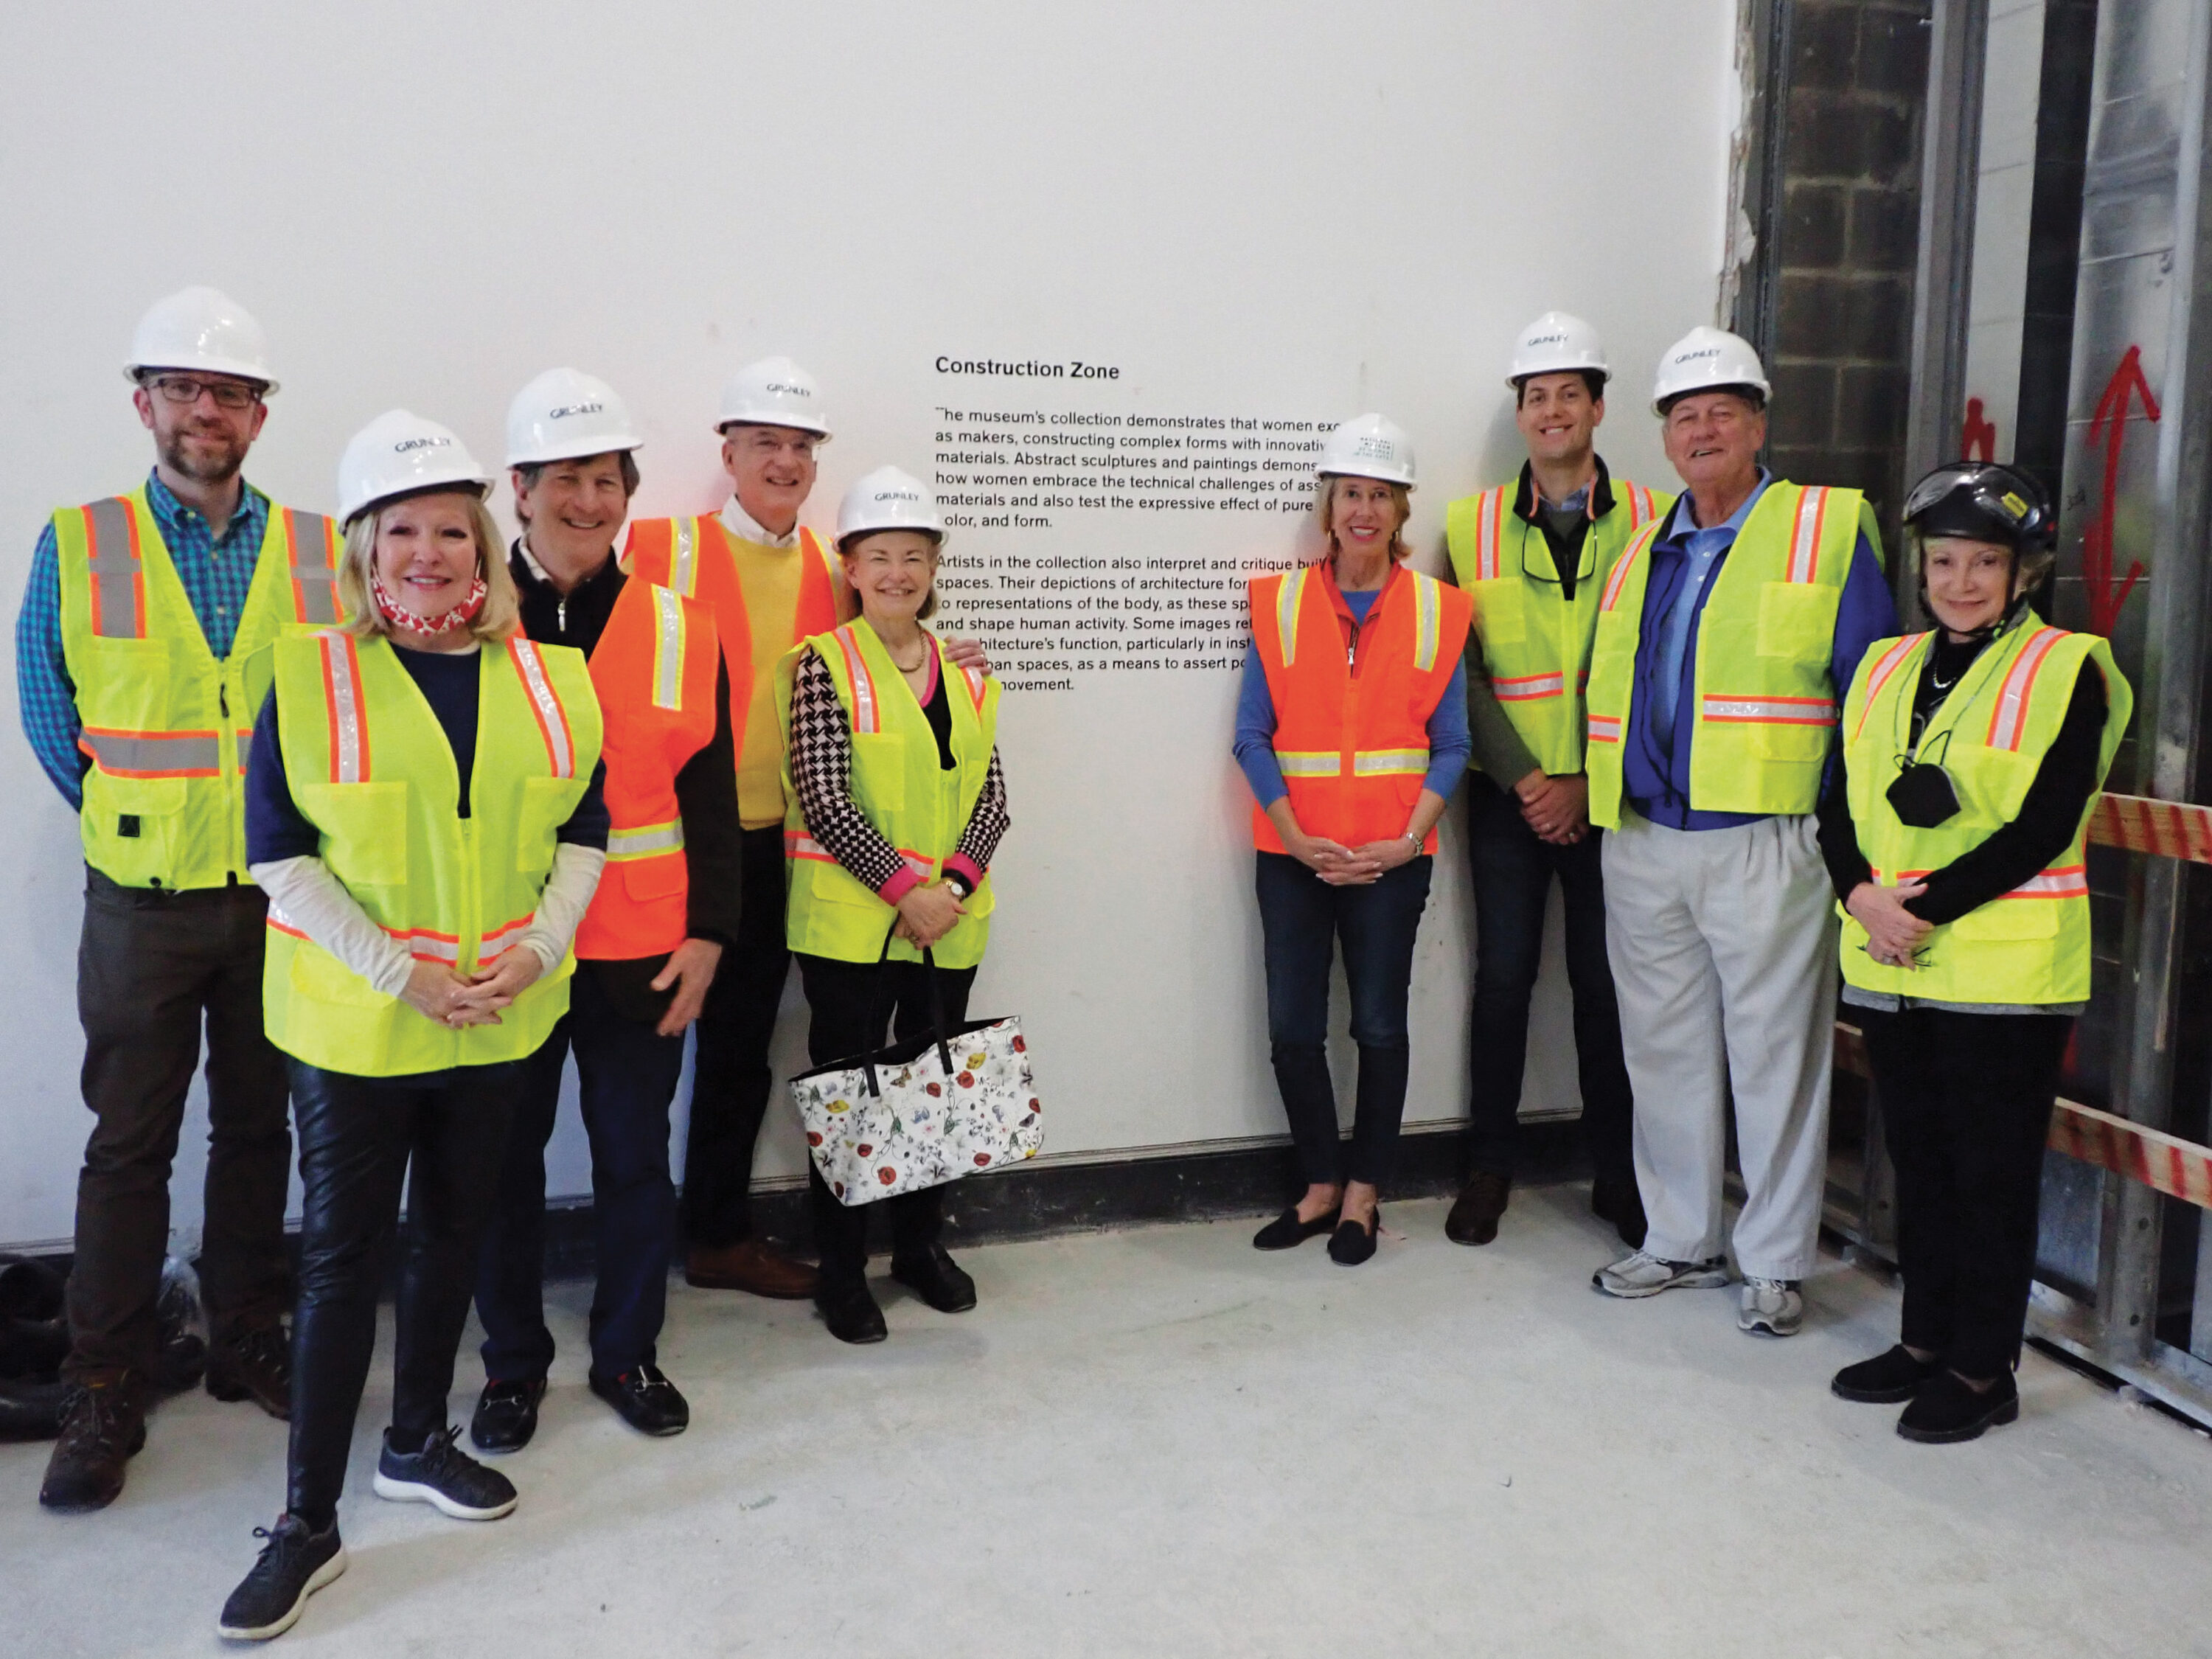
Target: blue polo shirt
{"x": 1686, "y": 560}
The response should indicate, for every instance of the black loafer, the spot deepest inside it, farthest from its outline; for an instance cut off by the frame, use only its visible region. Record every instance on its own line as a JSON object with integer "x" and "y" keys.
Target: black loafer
{"x": 1287, "y": 1232}
{"x": 646, "y": 1400}
{"x": 1888, "y": 1379}
{"x": 1351, "y": 1244}
{"x": 506, "y": 1415}
{"x": 1946, "y": 1410}
{"x": 850, "y": 1312}
{"x": 936, "y": 1279}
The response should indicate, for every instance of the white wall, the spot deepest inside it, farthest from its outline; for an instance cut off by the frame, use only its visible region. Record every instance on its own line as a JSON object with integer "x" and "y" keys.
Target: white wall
{"x": 1295, "y": 210}
{"x": 1996, "y": 310}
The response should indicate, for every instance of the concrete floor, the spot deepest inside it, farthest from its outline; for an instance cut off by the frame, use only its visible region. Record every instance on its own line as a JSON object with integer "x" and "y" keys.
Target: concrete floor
{"x": 1162, "y": 1442}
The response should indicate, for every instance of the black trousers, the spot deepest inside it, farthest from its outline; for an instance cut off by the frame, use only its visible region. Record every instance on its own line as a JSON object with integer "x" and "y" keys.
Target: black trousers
{"x": 731, "y": 1077}
{"x": 152, "y": 967}
{"x": 627, "y": 1074}
{"x": 442, "y": 1136}
{"x": 851, "y": 1010}
{"x": 1302, "y": 921}
{"x": 1513, "y": 868}
{"x": 1966, "y": 1103}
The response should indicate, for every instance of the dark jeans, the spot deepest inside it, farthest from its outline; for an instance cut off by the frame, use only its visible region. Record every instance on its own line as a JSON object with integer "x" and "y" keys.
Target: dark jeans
{"x": 626, "y": 1075}
{"x": 151, "y": 967}
{"x": 851, "y": 1008}
{"x": 1301, "y": 918}
{"x": 1513, "y": 871}
{"x": 1965, "y": 1108}
{"x": 730, "y": 1076}
{"x": 360, "y": 1138}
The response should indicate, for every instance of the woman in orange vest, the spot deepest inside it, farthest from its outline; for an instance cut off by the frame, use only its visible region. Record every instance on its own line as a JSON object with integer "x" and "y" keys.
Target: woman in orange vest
{"x": 1352, "y": 730}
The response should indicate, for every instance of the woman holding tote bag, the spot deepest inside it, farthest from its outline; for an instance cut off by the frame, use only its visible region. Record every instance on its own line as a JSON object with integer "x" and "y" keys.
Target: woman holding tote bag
{"x": 895, "y": 804}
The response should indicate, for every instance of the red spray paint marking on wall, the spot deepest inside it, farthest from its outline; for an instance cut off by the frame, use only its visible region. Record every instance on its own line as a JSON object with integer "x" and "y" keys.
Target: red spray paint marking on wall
{"x": 2111, "y": 416}
{"x": 1978, "y": 442}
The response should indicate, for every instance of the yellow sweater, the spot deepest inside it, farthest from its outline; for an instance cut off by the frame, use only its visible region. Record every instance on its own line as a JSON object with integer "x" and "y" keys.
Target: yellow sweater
{"x": 768, "y": 578}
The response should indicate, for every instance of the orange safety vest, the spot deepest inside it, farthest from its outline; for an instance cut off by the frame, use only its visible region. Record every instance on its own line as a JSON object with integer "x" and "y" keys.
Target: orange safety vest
{"x": 653, "y": 669}
{"x": 1352, "y": 724}
{"x": 695, "y": 557}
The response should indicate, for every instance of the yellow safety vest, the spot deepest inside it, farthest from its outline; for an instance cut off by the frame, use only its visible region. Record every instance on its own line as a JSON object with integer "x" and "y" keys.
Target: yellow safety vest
{"x": 1535, "y": 641}
{"x": 2030, "y": 945}
{"x": 1765, "y": 704}
{"x": 368, "y": 765}
{"x": 918, "y": 807}
{"x": 166, "y": 724}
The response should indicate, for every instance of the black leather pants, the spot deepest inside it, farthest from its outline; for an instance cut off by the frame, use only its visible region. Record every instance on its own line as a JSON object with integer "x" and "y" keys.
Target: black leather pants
{"x": 442, "y": 1136}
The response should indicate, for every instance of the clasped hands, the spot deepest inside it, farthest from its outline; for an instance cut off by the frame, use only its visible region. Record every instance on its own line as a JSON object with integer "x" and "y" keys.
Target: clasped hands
{"x": 1556, "y": 807}
{"x": 927, "y": 911}
{"x": 444, "y": 994}
{"x": 1894, "y": 933}
{"x": 1350, "y": 866}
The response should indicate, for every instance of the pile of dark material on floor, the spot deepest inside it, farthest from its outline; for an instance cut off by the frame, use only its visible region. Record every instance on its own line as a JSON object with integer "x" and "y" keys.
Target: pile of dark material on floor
{"x": 35, "y": 1341}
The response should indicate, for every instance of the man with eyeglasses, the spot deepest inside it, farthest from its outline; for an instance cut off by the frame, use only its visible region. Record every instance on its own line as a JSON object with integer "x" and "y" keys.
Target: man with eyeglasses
{"x": 1726, "y": 635}
{"x": 141, "y": 655}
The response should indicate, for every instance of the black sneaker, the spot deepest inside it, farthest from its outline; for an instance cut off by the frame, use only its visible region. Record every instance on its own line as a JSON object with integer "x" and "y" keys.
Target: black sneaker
{"x": 1885, "y": 1380}
{"x": 444, "y": 1476}
{"x": 254, "y": 1364}
{"x": 644, "y": 1399}
{"x": 936, "y": 1280}
{"x": 849, "y": 1310}
{"x": 295, "y": 1563}
{"x": 1946, "y": 1409}
{"x": 506, "y": 1415}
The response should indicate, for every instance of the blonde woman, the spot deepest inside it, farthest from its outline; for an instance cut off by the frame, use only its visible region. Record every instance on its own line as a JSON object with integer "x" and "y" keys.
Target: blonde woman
{"x": 424, "y": 812}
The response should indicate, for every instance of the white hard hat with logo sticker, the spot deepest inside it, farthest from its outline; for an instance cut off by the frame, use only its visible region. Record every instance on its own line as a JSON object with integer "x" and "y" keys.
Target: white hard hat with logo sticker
{"x": 400, "y": 453}
{"x": 1556, "y": 343}
{"x": 1707, "y": 359}
{"x": 201, "y": 328}
{"x": 888, "y": 499}
{"x": 1368, "y": 446}
{"x": 773, "y": 391}
{"x": 564, "y": 415}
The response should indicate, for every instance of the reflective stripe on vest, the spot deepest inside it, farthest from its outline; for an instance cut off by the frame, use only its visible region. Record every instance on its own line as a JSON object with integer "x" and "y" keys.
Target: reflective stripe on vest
{"x": 646, "y": 841}
{"x": 867, "y": 718}
{"x": 153, "y": 754}
{"x": 1605, "y": 728}
{"x": 552, "y": 718}
{"x": 1805, "y": 535}
{"x": 2012, "y": 698}
{"x": 1639, "y": 506}
{"x": 1531, "y": 688}
{"x": 1638, "y": 545}
{"x": 1769, "y": 711}
{"x": 313, "y": 541}
{"x": 118, "y": 577}
{"x": 1489, "y": 535}
{"x": 2056, "y": 882}
{"x": 1287, "y": 604}
{"x": 1878, "y": 675}
{"x": 667, "y": 649}
{"x": 798, "y": 844}
{"x": 1365, "y": 762}
{"x": 1428, "y": 622}
{"x": 342, "y": 692}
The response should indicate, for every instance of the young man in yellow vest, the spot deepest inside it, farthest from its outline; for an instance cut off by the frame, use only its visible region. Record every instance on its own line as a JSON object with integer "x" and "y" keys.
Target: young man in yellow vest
{"x": 1726, "y": 637}
{"x": 771, "y": 584}
{"x": 142, "y": 653}
{"x": 1535, "y": 555}
{"x": 649, "y": 947}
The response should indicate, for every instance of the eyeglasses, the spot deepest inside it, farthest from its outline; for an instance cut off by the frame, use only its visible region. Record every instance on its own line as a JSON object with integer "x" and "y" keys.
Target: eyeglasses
{"x": 228, "y": 394}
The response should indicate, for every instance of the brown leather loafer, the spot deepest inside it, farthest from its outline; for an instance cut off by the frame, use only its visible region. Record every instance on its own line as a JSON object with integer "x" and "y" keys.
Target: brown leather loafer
{"x": 1474, "y": 1216}
{"x": 750, "y": 1264}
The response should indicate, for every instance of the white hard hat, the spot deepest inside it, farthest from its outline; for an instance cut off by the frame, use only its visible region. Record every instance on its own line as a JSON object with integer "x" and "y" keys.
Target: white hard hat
{"x": 563, "y": 415}
{"x": 1556, "y": 343}
{"x": 1368, "y": 446}
{"x": 888, "y": 499}
{"x": 773, "y": 391}
{"x": 201, "y": 328}
{"x": 1707, "y": 360}
{"x": 398, "y": 453}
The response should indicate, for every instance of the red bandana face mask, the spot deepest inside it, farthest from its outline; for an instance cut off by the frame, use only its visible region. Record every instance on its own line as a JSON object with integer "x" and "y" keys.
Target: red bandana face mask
{"x": 400, "y": 617}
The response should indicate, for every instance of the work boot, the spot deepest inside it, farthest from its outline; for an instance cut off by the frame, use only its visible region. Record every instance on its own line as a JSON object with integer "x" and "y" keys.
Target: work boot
{"x": 1475, "y": 1216}
{"x": 103, "y": 1426}
{"x": 254, "y": 1364}
{"x": 750, "y": 1264}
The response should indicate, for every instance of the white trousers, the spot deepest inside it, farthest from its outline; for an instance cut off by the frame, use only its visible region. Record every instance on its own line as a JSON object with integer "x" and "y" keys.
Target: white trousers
{"x": 1723, "y": 949}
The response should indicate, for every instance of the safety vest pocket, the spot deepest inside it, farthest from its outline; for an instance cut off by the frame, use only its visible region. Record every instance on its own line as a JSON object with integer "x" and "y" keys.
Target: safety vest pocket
{"x": 879, "y": 772}
{"x": 124, "y": 684}
{"x": 367, "y": 827}
{"x": 1797, "y": 620}
{"x": 2010, "y": 918}
{"x": 646, "y": 879}
{"x": 1804, "y": 745}
{"x": 1500, "y": 614}
{"x": 318, "y": 974}
{"x": 546, "y": 804}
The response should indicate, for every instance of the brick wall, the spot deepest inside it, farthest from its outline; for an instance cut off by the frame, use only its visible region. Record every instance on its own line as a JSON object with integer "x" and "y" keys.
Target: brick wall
{"x": 1846, "y": 85}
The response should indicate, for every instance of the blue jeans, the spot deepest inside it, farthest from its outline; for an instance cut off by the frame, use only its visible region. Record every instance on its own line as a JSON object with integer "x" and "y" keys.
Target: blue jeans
{"x": 628, "y": 1073}
{"x": 1513, "y": 871}
{"x": 1303, "y": 918}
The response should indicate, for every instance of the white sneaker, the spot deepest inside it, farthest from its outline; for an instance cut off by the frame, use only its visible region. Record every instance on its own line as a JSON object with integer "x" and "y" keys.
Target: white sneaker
{"x": 1772, "y": 1307}
{"x": 1645, "y": 1274}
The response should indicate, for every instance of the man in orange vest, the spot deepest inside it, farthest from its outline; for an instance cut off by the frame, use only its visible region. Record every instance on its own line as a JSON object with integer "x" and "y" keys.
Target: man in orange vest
{"x": 771, "y": 583}
{"x": 650, "y": 944}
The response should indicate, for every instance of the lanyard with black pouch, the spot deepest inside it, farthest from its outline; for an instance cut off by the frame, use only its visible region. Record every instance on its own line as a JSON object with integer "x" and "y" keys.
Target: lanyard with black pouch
{"x": 1923, "y": 795}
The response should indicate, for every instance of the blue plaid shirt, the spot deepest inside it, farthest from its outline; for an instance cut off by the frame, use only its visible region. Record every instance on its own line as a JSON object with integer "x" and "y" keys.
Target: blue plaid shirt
{"x": 217, "y": 574}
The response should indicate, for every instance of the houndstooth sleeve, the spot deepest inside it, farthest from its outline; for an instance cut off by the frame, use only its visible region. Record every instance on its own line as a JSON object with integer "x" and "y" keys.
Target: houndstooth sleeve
{"x": 979, "y": 842}
{"x": 822, "y": 772}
